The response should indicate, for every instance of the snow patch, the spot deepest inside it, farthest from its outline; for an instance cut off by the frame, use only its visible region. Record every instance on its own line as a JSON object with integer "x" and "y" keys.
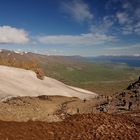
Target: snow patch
{"x": 20, "y": 82}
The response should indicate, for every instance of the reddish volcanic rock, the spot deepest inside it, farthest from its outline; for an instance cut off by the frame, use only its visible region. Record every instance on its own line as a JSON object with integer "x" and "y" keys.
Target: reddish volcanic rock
{"x": 77, "y": 127}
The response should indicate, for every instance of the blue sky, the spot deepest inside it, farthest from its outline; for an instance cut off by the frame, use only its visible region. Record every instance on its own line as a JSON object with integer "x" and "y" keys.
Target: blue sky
{"x": 76, "y": 27}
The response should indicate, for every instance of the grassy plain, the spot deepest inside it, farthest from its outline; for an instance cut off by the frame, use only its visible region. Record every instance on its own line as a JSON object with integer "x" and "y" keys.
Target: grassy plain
{"x": 101, "y": 78}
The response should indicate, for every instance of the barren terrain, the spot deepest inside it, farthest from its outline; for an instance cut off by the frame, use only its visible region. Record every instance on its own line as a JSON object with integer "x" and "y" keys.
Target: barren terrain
{"x": 33, "y": 108}
{"x": 78, "y": 127}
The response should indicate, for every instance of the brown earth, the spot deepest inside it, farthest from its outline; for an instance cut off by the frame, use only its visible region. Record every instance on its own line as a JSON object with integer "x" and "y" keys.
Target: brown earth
{"x": 77, "y": 127}
{"x": 43, "y": 108}
{"x": 24, "y": 61}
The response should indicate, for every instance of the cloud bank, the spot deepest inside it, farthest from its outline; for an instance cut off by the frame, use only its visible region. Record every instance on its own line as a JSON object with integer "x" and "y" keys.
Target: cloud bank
{"x": 83, "y": 39}
{"x": 11, "y": 35}
{"x": 78, "y": 10}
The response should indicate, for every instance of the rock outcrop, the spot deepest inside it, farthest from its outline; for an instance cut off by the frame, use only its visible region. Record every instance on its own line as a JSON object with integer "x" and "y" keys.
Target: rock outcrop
{"x": 127, "y": 100}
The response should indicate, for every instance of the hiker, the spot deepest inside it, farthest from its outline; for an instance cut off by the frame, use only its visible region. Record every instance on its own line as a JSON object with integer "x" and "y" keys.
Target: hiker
{"x": 78, "y": 110}
{"x": 129, "y": 106}
{"x": 123, "y": 94}
{"x": 139, "y": 79}
{"x": 131, "y": 86}
{"x": 124, "y": 102}
{"x": 84, "y": 100}
{"x": 101, "y": 109}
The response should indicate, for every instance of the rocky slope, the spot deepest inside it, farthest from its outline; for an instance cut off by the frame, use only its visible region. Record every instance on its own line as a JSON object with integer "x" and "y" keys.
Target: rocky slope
{"x": 22, "y": 60}
{"x": 125, "y": 101}
{"x": 78, "y": 127}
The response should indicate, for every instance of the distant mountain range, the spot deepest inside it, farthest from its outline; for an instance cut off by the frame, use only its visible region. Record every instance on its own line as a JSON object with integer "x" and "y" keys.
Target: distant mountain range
{"x": 133, "y": 61}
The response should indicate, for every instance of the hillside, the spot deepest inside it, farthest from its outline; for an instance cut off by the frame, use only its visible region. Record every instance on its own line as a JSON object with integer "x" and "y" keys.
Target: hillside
{"x": 50, "y": 100}
{"x": 20, "y": 60}
{"x": 102, "y": 78}
{"x": 77, "y": 127}
{"x": 49, "y": 109}
{"x": 126, "y": 101}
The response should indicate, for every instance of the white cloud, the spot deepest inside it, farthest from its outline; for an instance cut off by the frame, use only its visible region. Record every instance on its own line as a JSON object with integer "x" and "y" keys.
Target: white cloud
{"x": 127, "y": 6}
{"x": 78, "y": 10}
{"x": 13, "y": 35}
{"x": 129, "y": 17}
{"x": 83, "y": 39}
{"x": 128, "y": 29}
{"x": 137, "y": 28}
{"x": 137, "y": 12}
{"x": 123, "y": 18}
{"x": 104, "y": 25}
{"x": 127, "y": 13}
{"x": 129, "y": 24}
{"x": 108, "y": 21}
